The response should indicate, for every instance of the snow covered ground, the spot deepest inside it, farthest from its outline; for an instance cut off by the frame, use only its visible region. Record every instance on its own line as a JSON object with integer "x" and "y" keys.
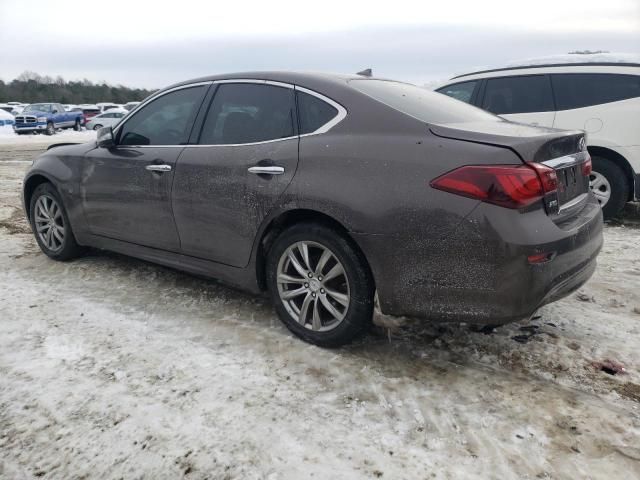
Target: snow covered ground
{"x": 115, "y": 368}
{"x": 9, "y": 137}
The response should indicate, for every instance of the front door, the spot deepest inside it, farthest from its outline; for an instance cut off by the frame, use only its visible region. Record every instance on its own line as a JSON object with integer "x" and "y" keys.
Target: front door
{"x": 247, "y": 154}
{"x": 126, "y": 189}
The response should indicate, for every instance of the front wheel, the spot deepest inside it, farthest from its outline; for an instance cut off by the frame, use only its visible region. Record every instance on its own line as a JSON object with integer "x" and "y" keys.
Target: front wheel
{"x": 50, "y": 224}
{"x": 609, "y": 184}
{"x": 97, "y": 127}
{"x": 320, "y": 285}
{"x": 50, "y": 129}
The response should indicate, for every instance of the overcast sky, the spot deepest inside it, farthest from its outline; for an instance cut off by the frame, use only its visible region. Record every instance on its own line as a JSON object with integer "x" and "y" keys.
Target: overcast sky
{"x": 149, "y": 44}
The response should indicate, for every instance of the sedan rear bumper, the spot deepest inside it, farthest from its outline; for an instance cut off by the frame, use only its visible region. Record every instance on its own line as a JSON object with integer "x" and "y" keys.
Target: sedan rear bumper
{"x": 481, "y": 273}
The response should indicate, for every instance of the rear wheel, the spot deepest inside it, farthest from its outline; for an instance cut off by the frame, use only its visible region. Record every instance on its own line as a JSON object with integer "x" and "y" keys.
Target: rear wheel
{"x": 609, "y": 184}
{"x": 50, "y": 224}
{"x": 320, "y": 285}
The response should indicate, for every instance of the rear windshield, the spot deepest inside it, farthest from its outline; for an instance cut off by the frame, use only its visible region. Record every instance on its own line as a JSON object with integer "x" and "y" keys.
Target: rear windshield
{"x": 420, "y": 103}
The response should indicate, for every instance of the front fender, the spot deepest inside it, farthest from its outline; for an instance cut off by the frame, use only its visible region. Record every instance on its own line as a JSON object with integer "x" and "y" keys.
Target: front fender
{"x": 62, "y": 167}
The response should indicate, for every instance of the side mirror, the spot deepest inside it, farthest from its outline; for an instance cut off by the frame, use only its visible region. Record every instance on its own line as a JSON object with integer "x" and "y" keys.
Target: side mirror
{"x": 105, "y": 137}
{"x": 54, "y": 111}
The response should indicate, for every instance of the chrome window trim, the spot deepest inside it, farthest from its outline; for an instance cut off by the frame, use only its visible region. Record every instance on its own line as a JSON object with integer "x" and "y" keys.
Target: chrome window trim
{"x": 342, "y": 113}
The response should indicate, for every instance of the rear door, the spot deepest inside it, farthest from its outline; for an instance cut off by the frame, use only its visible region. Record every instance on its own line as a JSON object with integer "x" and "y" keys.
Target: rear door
{"x": 126, "y": 189}
{"x": 246, "y": 155}
{"x": 524, "y": 99}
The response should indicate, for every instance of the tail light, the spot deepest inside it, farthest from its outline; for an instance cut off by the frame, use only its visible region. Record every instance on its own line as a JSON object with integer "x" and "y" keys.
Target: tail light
{"x": 510, "y": 186}
{"x": 587, "y": 167}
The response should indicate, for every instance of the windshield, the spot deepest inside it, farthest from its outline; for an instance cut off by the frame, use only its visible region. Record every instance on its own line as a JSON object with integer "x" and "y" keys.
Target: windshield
{"x": 37, "y": 107}
{"x": 420, "y": 103}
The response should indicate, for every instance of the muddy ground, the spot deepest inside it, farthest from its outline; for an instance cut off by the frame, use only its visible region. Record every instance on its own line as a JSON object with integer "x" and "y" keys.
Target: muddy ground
{"x": 115, "y": 368}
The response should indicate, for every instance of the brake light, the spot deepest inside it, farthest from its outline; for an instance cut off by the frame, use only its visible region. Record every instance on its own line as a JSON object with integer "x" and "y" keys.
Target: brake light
{"x": 510, "y": 186}
{"x": 547, "y": 175}
{"x": 587, "y": 167}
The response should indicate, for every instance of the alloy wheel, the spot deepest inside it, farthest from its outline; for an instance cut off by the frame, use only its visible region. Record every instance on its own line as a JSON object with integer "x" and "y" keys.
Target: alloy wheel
{"x": 49, "y": 223}
{"x": 313, "y": 286}
{"x": 600, "y": 187}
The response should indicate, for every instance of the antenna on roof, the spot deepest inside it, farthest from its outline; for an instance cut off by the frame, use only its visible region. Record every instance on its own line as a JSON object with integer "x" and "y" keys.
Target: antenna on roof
{"x": 366, "y": 73}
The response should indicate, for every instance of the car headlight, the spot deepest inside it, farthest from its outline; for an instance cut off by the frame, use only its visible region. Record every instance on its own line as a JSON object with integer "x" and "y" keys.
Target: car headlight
{"x": 42, "y": 119}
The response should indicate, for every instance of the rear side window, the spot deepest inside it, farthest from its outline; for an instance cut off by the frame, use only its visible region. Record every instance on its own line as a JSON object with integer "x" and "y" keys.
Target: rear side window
{"x": 460, "y": 91}
{"x": 420, "y": 103}
{"x": 165, "y": 121}
{"x": 577, "y": 90}
{"x": 313, "y": 112}
{"x": 249, "y": 113}
{"x": 518, "y": 95}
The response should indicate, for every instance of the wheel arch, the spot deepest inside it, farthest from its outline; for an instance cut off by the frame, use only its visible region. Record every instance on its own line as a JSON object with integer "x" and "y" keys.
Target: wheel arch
{"x": 619, "y": 160}
{"x": 30, "y": 186}
{"x": 291, "y": 217}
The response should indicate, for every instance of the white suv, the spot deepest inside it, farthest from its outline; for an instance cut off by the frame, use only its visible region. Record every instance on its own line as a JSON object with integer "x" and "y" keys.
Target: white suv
{"x": 601, "y": 98}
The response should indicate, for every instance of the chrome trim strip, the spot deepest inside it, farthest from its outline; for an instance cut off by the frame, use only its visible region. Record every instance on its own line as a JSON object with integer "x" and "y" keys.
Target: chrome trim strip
{"x": 573, "y": 202}
{"x": 258, "y": 81}
{"x": 567, "y": 160}
{"x": 342, "y": 113}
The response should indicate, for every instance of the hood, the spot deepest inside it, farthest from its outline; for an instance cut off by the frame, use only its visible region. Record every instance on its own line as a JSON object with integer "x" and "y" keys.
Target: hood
{"x": 530, "y": 143}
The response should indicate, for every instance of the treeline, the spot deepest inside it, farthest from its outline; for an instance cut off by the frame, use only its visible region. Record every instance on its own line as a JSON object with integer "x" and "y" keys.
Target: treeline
{"x": 31, "y": 87}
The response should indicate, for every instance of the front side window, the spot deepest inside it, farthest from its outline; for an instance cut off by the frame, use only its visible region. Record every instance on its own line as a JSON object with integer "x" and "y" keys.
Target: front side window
{"x": 578, "y": 90}
{"x": 313, "y": 112}
{"x": 420, "y": 103}
{"x": 249, "y": 113}
{"x": 167, "y": 120}
{"x": 460, "y": 91}
{"x": 524, "y": 94}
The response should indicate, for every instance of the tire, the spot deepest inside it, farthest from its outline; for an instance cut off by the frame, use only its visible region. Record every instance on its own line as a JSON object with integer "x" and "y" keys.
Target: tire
{"x": 97, "y": 127}
{"x": 64, "y": 249}
{"x": 77, "y": 126}
{"x": 351, "y": 294}
{"x": 50, "y": 129}
{"x": 609, "y": 183}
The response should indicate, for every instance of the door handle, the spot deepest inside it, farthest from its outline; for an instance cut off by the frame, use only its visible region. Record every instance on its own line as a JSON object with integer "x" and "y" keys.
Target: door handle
{"x": 270, "y": 170}
{"x": 158, "y": 168}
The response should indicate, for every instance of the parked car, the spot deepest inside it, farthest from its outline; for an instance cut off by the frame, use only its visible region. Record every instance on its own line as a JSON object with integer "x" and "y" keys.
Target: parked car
{"x": 88, "y": 112}
{"x": 6, "y": 119}
{"x": 601, "y": 98}
{"x": 46, "y": 117}
{"x": 17, "y": 109}
{"x": 327, "y": 191}
{"x": 108, "y": 119}
{"x": 130, "y": 105}
{"x": 107, "y": 106}
{"x": 6, "y": 107}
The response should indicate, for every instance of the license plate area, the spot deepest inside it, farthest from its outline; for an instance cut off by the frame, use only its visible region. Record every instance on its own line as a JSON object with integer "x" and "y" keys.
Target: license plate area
{"x": 571, "y": 183}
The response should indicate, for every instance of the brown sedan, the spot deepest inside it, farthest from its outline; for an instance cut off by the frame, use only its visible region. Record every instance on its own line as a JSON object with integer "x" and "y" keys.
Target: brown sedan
{"x": 326, "y": 191}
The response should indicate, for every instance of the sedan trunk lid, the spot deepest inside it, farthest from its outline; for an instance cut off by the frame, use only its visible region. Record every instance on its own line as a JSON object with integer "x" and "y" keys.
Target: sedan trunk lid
{"x": 563, "y": 150}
